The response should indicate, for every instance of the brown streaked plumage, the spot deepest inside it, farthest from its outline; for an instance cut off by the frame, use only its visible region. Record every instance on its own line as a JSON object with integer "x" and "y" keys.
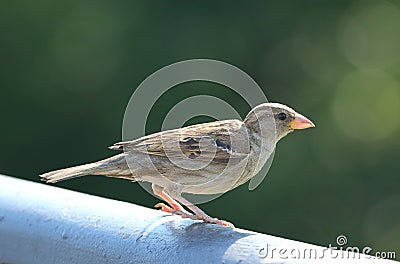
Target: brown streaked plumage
{"x": 208, "y": 158}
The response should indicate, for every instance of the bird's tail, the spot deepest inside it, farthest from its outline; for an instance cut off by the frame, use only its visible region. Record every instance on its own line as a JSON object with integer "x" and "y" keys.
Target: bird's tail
{"x": 68, "y": 173}
{"x": 114, "y": 167}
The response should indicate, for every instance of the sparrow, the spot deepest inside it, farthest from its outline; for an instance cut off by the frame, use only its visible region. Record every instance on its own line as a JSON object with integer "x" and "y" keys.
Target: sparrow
{"x": 207, "y": 158}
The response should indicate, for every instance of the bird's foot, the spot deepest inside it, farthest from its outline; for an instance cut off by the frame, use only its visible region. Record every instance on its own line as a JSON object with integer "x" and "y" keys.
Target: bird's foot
{"x": 178, "y": 211}
{"x": 218, "y": 221}
{"x": 200, "y": 215}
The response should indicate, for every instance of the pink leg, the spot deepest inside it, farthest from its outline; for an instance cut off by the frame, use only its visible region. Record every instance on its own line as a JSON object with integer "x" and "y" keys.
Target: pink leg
{"x": 174, "y": 207}
{"x": 201, "y": 215}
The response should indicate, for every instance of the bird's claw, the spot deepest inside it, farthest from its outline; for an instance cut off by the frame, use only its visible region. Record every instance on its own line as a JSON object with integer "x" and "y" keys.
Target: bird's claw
{"x": 218, "y": 222}
{"x": 166, "y": 208}
{"x": 183, "y": 214}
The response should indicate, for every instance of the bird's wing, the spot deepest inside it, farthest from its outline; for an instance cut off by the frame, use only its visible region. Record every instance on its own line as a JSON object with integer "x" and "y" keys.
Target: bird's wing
{"x": 217, "y": 141}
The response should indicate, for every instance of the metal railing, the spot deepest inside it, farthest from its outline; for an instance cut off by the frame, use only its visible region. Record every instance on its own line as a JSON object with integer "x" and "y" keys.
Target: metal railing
{"x": 45, "y": 224}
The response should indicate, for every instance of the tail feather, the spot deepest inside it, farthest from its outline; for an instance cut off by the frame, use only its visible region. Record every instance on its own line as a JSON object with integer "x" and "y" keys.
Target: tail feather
{"x": 69, "y": 173}
{"x": 114, "y": 166}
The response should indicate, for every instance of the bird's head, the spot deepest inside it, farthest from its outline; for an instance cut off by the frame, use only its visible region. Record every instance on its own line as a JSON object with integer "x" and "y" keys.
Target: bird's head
{"x": 276, "y": 116}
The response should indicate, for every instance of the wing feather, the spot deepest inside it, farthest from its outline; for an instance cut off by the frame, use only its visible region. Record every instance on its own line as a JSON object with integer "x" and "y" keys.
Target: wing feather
{"x": 211, "y": 141}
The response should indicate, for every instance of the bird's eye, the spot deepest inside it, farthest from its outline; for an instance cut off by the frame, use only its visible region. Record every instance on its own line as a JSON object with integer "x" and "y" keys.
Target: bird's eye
{"x": 281, "y": 116}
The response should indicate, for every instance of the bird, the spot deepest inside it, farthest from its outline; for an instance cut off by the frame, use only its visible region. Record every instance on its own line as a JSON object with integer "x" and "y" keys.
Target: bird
{"x": 207, "y": 158}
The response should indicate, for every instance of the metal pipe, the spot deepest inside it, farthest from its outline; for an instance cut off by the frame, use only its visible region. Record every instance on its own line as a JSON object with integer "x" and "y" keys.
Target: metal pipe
{"x": 45, "y": 224}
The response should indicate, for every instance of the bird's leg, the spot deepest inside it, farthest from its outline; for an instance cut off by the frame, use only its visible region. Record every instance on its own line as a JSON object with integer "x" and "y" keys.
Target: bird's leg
{"x": 174, "y": 207}
{"x": 201, "y": 215}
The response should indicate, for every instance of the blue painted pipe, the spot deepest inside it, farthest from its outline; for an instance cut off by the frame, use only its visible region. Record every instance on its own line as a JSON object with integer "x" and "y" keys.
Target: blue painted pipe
{"x": 45, "y": 224}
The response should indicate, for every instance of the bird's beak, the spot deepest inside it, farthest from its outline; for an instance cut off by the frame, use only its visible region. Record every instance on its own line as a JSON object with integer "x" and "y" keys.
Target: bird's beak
{"x": 301, "y": 122}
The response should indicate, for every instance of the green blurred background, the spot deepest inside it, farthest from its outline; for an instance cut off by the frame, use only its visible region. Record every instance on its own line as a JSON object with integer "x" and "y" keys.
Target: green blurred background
{"x": 68, "y": 69}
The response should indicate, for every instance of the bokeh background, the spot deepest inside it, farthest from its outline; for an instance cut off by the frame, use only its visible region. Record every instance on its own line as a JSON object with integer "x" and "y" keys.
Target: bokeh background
{"x": 68, "y": 69}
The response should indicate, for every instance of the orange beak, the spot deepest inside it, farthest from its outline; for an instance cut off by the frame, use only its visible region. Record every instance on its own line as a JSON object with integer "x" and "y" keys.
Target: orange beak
{"x": 301, "y": 122}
